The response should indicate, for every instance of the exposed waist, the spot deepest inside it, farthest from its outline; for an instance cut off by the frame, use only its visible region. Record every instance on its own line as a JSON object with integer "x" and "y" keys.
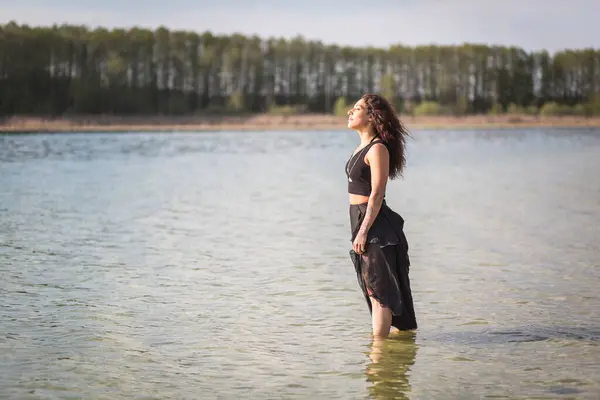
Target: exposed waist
{"x": 357, "y": 199}
{"x": 363, "y": 206}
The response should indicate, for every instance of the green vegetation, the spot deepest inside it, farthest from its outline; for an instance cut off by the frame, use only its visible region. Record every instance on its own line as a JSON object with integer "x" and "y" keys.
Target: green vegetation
{"x": 428, "y": 108}
{"x": 341, "y": 106}
{"x": 72, "y": 70}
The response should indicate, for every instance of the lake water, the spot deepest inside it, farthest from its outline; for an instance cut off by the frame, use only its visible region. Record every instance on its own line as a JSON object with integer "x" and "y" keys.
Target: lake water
{"x": 215, "y": 265}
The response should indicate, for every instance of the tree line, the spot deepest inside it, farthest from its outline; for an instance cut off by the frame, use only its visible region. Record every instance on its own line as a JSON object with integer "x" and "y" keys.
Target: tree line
{"x": 71, "y": 70}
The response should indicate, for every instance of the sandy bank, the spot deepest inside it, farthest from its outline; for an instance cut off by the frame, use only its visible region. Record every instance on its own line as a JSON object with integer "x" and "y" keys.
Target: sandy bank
{"x": 269, "y": 122}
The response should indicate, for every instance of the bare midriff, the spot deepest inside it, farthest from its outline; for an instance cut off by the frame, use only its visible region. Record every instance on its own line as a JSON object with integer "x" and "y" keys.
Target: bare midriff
{"x": 358, "y": 199}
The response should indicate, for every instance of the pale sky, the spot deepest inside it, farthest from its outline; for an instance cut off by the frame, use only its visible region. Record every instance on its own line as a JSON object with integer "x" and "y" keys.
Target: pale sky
{"x": 530, "y": 24}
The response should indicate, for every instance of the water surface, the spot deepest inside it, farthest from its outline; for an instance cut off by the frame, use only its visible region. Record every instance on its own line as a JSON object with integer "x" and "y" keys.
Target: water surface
{"x": 215, "y": 265}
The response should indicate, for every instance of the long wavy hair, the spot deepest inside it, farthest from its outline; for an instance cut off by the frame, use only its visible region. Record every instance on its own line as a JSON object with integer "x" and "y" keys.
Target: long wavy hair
{"x": 390, "y": 129}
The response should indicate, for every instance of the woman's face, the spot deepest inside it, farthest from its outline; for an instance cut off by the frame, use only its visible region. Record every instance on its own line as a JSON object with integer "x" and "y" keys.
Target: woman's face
{"x": 357, "y": 116}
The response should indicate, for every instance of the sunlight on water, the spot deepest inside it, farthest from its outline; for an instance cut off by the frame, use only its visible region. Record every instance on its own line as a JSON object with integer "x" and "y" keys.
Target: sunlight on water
{"x": 205, "y": 265}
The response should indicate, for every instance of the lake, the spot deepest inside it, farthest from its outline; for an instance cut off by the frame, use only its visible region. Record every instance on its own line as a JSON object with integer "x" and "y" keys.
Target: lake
{"x": 215, "y": 265}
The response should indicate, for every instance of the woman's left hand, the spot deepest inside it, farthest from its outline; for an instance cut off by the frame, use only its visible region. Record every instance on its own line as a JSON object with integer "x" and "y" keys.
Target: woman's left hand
{"x": 360, "y": 242}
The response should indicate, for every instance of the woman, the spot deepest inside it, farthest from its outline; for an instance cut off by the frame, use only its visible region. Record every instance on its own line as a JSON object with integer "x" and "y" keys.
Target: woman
{"x": 379, "y": 246}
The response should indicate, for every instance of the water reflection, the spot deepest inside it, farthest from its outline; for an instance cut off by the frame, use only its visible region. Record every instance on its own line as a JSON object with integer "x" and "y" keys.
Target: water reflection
{"x": 389, "y": 370}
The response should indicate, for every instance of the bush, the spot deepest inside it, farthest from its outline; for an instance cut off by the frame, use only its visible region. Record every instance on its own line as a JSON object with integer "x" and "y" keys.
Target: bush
{"x": 428, "y": 108}
{"x": 287, "y": 110}
{"x": 593, "y": 106}
{"x": 461, "y": 107}
{"x": 550, "y": 109}
{"x": 496, "y": 109}
{"x": 580, "y": 110}
{"x": 553, "y": 109}
{"x": 515, "y": 109}
{"x": 236, "y": 101}
{"x": 532, "y": 110}
{"x": 341, "y": 106}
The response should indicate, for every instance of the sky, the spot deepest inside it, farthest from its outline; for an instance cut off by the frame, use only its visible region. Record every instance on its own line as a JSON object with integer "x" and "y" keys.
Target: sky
{"x": 530, "y": 24}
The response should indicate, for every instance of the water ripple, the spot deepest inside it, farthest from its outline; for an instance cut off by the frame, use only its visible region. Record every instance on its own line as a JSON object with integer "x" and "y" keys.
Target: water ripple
{"x": 214, "y": 265}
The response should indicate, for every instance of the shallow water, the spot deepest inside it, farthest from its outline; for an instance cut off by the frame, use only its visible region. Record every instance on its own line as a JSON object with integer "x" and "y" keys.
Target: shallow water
{"x": 215, "y": 265}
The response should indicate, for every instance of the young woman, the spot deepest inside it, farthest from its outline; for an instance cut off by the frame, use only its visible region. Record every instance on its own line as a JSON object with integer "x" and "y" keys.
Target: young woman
{"x": 379, "y": 246}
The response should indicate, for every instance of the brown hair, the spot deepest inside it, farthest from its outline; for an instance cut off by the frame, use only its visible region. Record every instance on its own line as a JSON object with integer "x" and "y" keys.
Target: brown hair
{"x": 390, "y": 129}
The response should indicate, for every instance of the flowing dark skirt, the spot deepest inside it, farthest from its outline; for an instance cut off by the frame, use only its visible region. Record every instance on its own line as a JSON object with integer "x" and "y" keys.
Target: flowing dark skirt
{"x": 382, "y": 271}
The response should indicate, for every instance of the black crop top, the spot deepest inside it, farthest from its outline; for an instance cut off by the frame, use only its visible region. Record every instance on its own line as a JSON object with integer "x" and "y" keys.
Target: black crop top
{"x": 358, "y": 172}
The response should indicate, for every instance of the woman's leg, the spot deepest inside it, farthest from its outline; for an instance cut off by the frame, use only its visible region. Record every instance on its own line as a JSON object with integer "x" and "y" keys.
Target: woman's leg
{"x": 381, "y": 319}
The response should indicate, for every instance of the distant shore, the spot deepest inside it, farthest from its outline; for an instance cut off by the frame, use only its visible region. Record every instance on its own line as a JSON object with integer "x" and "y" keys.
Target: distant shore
{"x": 302, "y": 122}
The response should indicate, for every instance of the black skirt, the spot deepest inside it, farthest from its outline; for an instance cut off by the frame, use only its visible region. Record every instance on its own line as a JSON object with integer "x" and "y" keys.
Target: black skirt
{"x": 382, "y": 271}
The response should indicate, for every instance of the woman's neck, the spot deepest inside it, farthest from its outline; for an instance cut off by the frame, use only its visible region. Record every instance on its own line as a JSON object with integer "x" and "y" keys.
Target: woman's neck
{"x": 366, "y": 137}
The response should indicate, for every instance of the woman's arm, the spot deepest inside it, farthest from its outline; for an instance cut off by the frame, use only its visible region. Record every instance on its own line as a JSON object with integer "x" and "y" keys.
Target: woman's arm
{"x": 379, "y": 160}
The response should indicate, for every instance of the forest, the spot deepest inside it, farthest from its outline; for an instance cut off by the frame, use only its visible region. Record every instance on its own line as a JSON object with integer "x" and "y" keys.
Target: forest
{"x": 76, "y": 70}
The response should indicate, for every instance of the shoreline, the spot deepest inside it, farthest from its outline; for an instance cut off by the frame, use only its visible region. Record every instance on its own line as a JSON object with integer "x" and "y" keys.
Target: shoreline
{"x": 265, "y": 122}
